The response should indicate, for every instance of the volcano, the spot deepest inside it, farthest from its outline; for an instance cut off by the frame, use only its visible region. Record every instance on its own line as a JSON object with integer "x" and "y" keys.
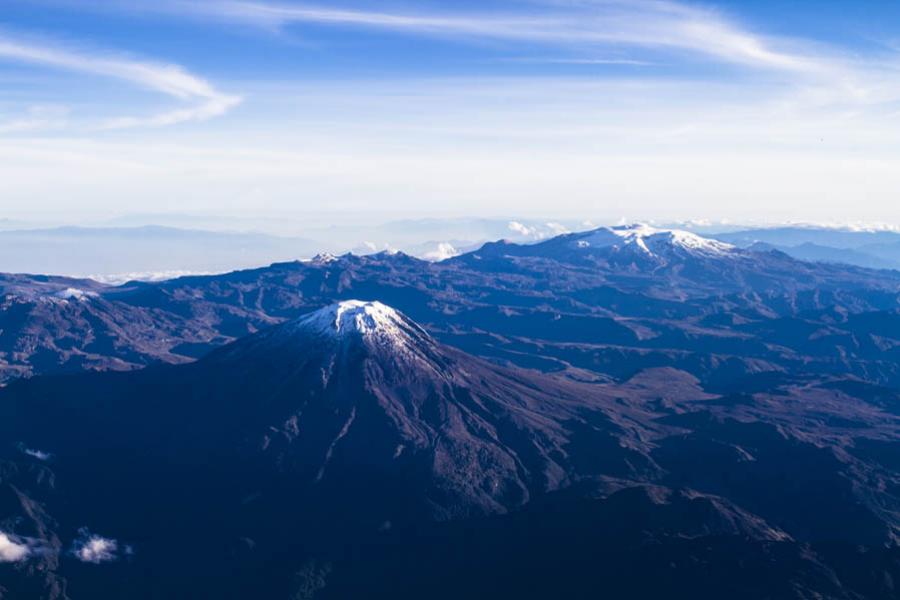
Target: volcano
{"x": 352, "y": 413}
{"x": 350, "y": 436}
{"x": 357, "y": 389}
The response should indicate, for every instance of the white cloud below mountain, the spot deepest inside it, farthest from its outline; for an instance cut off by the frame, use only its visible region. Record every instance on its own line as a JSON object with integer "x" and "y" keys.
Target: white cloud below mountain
{"x": 13, "y": 549}
{"x": 95, "y": 549}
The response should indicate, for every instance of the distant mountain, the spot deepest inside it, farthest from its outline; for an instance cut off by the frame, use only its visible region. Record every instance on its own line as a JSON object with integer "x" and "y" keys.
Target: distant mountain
{"x": 888, "y": 253}
{"x": 641, "y": 243}
{"x": 817, "y": 253}
{"x": 823, "y": 236}
{"x": 669, "y": 263}
{"x": 644, "y": 299}
{"x": 871, "y": 249}
{"x": 117, "y": 254}
{"x": 339, "y": 450}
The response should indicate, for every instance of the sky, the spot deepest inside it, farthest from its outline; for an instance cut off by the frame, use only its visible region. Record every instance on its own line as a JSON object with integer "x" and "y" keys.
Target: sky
{"x": 345, "y": 110}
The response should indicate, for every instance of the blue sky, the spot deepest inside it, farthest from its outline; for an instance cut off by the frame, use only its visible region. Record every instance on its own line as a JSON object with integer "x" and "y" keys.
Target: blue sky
{"x": 594, "y": 109}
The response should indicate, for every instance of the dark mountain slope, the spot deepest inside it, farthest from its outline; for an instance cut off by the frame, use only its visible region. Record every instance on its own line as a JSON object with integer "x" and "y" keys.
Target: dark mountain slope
{"x": 355, "y": 385}
{"x": 347, "y": 421}
{"x": 325, "y": 441}
{"x": 636, "y": 543}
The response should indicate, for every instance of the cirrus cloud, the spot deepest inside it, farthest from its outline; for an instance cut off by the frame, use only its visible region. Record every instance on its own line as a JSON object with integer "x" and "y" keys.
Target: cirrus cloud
{"x": 578, "y": 26}
{"x": 203, "y": 100}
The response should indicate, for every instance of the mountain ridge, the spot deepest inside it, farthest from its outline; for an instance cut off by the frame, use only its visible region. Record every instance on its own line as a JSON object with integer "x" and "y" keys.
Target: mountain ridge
{"x": 631, "y": 301}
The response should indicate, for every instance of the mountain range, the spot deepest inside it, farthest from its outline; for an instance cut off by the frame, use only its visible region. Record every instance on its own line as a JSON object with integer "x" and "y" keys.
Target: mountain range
{"x": 597, "y": 300}
{"x": 877, "y": 248}
{"x": 152, "y": 248}
{"x": 625, "y": 412}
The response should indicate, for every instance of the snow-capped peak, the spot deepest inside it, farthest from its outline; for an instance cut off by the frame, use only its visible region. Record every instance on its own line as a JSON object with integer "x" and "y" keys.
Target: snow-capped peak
{"x": 323, "y": 258}
{"x": 355, "y": 316}
{"x": 652, "y": 241}
{"x": 336, "y": 332}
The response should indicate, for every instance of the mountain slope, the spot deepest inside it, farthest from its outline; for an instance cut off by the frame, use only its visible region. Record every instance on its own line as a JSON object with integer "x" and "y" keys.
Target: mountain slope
{"x": 341, "y": 423}
{"x": 484, "y": 438}
{"x": 350, "y": 427}
{"x": 349, "y": 391}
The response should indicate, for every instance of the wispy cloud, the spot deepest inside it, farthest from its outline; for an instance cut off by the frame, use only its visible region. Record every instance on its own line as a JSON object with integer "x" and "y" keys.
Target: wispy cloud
{"x": 38, "y": 454}
{"x": 583, "y": 26}
{"x": 203, "y": 99}
{"x": 623, "y": 32}
{"x": 582, "y": 61}
{"x": 36, "y": 118}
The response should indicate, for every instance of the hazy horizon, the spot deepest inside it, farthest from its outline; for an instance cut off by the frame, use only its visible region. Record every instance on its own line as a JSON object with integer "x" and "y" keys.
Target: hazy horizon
{"x": 154, "y": 247}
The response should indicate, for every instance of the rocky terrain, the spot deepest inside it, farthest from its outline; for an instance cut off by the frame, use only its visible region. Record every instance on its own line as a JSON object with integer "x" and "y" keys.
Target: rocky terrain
{"x": 674, "y": 416}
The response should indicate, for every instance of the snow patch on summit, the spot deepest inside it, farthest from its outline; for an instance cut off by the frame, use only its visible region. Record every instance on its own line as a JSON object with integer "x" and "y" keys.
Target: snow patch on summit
{"x": 355, "y": 316}
{"x": 323, "y": 258}
{"x": 651, "y": 241}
